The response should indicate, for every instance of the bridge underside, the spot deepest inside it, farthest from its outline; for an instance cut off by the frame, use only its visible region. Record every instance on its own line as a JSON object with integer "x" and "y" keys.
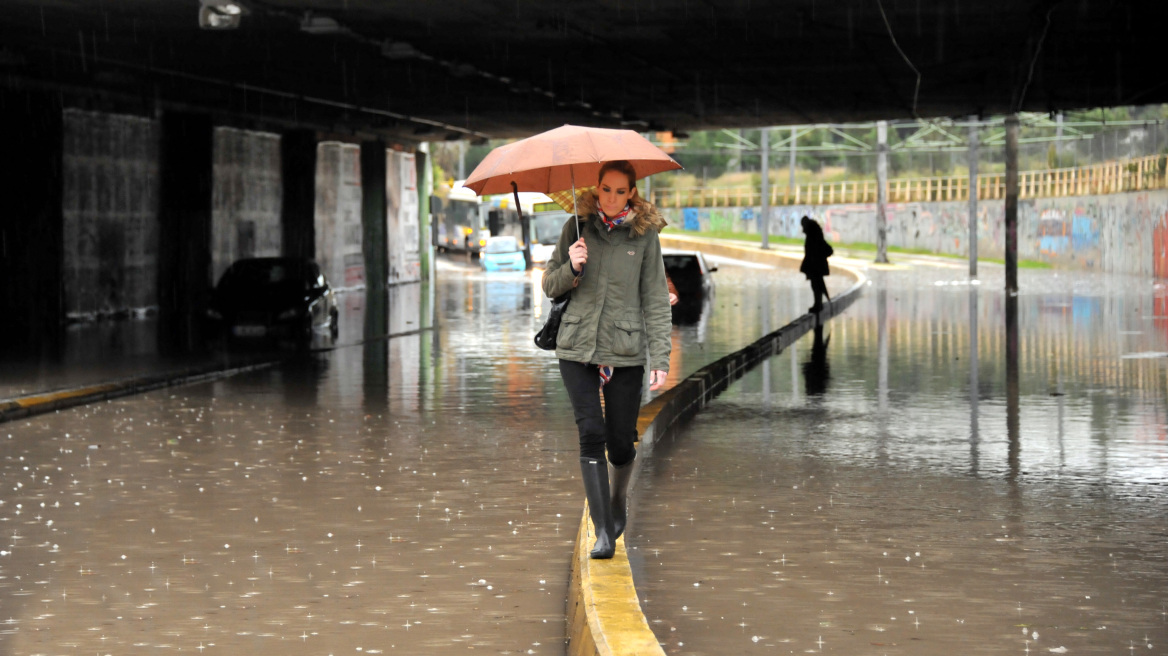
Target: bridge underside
{"x": 410, "y": 71}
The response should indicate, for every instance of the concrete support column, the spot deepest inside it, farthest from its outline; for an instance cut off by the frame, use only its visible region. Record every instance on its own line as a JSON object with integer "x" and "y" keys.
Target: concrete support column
{"x": 1012, "y": 203}
{"x": 374, "y": 220}
{"x": 31, "y": 223}
{"x": 186, "y": 180}
{"x": 764, "y": 226}
{"x": 881, "y": 192}
{"x": 973, "y": 143}
{"x": 298, "y": 169}
{"x": 425, "y": 184}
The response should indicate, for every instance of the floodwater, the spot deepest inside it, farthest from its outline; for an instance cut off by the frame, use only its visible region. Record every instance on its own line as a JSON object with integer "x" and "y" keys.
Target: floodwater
{"x": 902, "y": 487}
{"x": 412, "y": 495}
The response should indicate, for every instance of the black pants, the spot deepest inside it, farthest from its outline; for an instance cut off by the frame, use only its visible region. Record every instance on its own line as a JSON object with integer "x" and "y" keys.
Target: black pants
{"x": 614, "y": 426}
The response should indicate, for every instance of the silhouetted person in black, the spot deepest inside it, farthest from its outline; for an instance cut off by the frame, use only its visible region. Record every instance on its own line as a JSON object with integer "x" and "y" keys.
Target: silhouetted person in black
{"x": 815, "y": 370}
{"x": 816, "y": 250}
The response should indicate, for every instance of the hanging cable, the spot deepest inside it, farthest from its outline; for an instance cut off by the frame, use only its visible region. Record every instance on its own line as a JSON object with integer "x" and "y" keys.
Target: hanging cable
{"x": 917, "y": 88}
{"x": 1033, "y": 61}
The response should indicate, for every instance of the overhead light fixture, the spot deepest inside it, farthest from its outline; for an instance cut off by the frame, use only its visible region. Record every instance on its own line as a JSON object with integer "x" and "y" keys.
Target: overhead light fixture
{"x": 314, "y": 24}
{"x": 220, "y": 14}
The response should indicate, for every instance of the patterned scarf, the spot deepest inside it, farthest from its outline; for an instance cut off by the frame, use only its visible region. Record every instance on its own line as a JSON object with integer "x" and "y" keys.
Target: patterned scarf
{"x": 616, "y": 220}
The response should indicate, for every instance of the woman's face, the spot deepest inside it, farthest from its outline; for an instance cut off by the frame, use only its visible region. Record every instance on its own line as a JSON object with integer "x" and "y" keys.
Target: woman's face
{"x": 614, "y": 192}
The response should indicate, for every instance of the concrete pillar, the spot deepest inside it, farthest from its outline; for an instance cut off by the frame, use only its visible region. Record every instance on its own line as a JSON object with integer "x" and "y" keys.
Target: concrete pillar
{"x": 1012, "y": 203}
{"x": 764, "y": 226}
{"x": 973, "y": 143}
{"x": 425, "y": 184}
{"x": 31, "y": 223}
{"x": 186, "y": 158}
{"x": 881, "y": 192}
{"x": 374, "y": 220}
{"x": 298, "y": 169}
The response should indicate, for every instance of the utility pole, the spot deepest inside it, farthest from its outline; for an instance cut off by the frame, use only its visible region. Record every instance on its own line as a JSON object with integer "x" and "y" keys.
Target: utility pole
{"x": 973, "y": 143}
{"x": 791, "y": 165}
{"x": 764, "y": 226}
{"x": 1058, "y": 141}
{"x": 881, "y": 192}
{"x": 1011, "y": 204}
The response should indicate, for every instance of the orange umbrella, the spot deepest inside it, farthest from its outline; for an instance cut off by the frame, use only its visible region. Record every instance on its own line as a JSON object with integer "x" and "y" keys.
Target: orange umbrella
{"x": 553, "y": 160}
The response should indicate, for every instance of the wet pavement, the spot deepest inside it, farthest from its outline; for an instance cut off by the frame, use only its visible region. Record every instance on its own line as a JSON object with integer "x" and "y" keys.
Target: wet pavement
{"x": 901, "y": 488}
{"x": 417, "y": 494}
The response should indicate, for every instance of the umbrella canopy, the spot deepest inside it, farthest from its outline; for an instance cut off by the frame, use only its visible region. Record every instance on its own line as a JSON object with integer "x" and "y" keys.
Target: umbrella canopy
{"x": 561, "y": 158}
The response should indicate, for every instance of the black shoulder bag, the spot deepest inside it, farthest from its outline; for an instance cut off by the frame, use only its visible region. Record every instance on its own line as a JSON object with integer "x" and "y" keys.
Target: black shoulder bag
{"x": 546, "y": 337}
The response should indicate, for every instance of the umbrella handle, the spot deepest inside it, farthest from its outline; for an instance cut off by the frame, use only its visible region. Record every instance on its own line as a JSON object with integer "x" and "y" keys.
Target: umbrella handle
{"x": 575, "y": 212}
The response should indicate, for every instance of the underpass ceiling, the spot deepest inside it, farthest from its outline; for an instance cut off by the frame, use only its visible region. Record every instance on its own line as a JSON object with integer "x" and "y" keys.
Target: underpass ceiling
{"x": 418, "y": 70}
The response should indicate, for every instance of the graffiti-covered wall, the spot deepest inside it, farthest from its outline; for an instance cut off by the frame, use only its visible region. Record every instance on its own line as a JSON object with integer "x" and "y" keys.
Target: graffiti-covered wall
{"x": 1120, "y": 233}
{"x": 401, "y": 187}
{"x": 246, "y": 198}
{"x": 110, "y": 206}
{"x": 338, "y": 214}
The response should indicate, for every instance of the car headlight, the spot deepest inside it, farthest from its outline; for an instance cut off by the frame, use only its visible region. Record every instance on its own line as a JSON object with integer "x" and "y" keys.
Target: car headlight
{"x": 288, "y": 314}
{"x": 214, "y": 314}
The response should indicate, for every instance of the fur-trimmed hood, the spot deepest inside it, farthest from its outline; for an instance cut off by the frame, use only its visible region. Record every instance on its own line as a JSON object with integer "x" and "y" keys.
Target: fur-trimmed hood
{"x": 645, "y": 215}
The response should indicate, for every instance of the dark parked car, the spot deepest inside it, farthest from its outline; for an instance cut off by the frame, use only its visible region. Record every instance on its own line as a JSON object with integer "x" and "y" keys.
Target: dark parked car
{"x": 690, "y": 274}
{"x": 276, "y": 298}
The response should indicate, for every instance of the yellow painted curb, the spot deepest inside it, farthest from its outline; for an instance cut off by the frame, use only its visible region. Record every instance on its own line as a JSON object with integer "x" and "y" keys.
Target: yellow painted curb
{"x": 30, "y": 401}
{"x": 603, "y": 612}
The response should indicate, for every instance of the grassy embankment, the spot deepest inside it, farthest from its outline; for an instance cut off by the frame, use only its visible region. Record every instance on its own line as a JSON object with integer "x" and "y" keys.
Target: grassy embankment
{"x": 846, "y": 249}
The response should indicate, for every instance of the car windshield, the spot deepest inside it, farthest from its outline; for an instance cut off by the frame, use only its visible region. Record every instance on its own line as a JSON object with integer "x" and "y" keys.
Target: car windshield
{"x": 502, "y": 245}
{"x": 264, "y": 273}
{"x": 681, "y": 263}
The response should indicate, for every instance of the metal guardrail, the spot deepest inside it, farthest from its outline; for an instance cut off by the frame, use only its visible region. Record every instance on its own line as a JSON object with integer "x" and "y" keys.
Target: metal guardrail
{"x": 1144, "y": 173}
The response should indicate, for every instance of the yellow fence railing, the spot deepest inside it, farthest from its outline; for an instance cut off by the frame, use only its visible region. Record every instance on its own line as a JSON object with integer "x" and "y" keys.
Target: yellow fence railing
{"x": 1140, "y": 174}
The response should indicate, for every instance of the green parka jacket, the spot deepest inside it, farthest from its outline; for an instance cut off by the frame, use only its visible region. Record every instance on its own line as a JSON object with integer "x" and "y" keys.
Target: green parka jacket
{"x": 620, "y": 304}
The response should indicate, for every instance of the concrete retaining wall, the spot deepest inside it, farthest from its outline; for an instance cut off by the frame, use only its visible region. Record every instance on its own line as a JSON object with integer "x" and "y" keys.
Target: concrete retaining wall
{"x": 401, "y": 182}
{"x": 246, "y": 198}
{"x": 1117, "y": 233}
{"x": 110, "y": 207}
{"x": 338, "y": 214}
{"x": 604, "y": 614}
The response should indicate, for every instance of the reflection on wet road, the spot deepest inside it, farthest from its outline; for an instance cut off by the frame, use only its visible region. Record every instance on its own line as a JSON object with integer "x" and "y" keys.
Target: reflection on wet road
{"x": 412, "y": 495}
{"x": 899, "y": 488}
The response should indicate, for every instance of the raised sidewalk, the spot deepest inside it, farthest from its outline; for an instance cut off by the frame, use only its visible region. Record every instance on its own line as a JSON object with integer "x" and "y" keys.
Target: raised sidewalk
{"x": 603, "y": 612}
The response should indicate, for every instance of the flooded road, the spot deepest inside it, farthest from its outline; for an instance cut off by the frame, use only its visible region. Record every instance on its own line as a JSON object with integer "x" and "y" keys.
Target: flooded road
{"x": 900, "y": 488}
{"x": 412, "y": 495}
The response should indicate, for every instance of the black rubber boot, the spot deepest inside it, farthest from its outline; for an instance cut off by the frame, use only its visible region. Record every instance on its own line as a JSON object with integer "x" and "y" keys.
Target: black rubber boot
{"x": 620, "y": 489}
{"x": 595, "y": 474}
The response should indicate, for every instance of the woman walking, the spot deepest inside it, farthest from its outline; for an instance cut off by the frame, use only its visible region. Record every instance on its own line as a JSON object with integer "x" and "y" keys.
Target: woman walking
{"x": 619, "y": 313}
{"x": 816, "y": 250}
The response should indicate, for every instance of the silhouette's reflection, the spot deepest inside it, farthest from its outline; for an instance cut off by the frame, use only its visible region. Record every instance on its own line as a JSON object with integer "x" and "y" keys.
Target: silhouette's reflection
{"x": 816, "y": 371}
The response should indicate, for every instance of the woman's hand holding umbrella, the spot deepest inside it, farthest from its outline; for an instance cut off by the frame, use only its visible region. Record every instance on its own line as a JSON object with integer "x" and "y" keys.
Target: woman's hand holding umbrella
{"x": 578, "y": 254}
